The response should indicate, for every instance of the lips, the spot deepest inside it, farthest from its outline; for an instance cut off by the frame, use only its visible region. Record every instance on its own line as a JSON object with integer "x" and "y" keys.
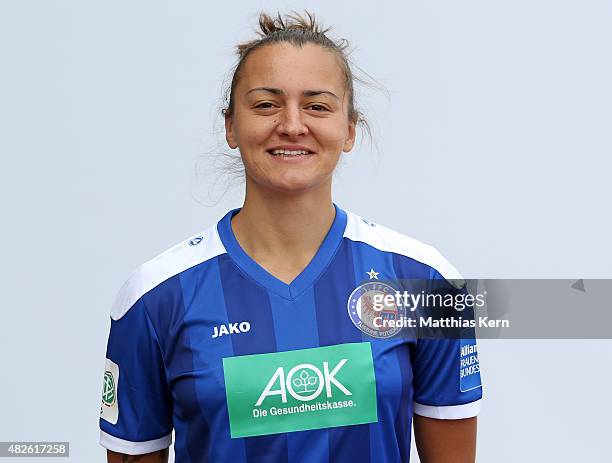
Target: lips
{"x": 290, "y": 148}
{"x": 287, "y": 154}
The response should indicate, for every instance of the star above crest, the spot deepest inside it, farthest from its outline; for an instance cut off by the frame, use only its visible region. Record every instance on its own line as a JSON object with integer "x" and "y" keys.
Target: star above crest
{"x": 372, "y": 274}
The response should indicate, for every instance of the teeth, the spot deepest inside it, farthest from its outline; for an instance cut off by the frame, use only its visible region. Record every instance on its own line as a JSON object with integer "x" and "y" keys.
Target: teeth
{"x": 289, "y": 153}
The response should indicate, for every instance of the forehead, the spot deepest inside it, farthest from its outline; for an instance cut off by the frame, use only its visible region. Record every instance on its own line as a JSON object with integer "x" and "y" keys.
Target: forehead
{"x": 291, "y": 68}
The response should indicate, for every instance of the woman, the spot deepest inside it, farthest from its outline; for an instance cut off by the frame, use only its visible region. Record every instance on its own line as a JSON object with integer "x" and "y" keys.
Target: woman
{"x": 247, "y": 339}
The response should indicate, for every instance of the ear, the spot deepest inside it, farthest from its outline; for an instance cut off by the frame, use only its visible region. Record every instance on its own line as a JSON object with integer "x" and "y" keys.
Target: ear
{"x": 229, "y": 132}
{"x": 350, "y": 140}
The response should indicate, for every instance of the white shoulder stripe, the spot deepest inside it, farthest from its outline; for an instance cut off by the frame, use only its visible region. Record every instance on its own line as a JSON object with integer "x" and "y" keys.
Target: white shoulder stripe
{"x": 175, "y": 260}
{"x": 385, "y": 239}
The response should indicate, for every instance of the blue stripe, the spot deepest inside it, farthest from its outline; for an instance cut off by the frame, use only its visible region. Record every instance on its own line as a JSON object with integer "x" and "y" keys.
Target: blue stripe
{"x": 134, "y": 347}
{"x": 295, "y": 324}
{"x": 295, "y": 321}
{"x": 205, "y": 309}
{"x": 347, "y": 443}
{"x": 407, "y": 269}
{"x": 332, "y": 291}
{"x": 403, "y": 419}
{"x": 192, "y": 440}
{"x": 247, "y": 301}
{"x": 388, "y": 379}
{"x": 389, "y": 388}
{"x": 366, "y": 258}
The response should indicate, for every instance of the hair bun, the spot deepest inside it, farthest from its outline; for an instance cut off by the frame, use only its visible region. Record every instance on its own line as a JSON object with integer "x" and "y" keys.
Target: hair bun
{"x": 307, "y": 23}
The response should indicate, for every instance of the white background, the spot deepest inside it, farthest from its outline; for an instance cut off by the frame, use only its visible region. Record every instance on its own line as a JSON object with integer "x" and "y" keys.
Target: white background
{"x": 492, "y": 142}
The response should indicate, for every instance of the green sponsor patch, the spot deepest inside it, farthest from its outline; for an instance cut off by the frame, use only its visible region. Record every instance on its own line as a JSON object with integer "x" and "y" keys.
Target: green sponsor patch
{"x": 300, "y": 389}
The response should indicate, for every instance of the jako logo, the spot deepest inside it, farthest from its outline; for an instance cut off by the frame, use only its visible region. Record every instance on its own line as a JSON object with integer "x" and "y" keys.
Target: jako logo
{"x": 305, "y": 385}
{"x": 231, "y": 328}
{"x": 197, "y": 240}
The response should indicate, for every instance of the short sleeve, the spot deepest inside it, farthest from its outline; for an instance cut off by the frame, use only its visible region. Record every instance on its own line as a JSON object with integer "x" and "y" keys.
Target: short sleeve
{"x": 446, "y": 381}
{"x": 136, "y": 408}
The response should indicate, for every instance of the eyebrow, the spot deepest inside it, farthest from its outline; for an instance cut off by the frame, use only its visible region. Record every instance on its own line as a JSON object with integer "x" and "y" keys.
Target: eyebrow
{"x": 278, "y": 91}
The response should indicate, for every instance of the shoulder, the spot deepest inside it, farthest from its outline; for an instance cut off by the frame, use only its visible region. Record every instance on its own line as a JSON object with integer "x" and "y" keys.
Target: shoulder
{"x": 190, "y": 252}
{"x": 387, "y": 240}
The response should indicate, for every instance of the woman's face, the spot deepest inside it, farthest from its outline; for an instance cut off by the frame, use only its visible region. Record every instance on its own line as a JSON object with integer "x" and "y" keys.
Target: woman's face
{"x": 293, "y": 98}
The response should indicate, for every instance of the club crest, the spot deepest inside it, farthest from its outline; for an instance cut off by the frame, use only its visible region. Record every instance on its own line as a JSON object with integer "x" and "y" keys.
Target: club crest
{"x": 368, "y": 310}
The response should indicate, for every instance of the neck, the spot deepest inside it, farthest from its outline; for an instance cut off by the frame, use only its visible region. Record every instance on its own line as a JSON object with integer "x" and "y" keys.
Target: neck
{"x": 282, "y": 233}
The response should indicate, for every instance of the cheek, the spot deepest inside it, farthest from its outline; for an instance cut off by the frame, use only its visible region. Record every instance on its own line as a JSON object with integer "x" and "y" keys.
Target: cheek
{"x": 332, "y": 138}
{"x": 330, "y": 127}
{"x": 254, "y": 131}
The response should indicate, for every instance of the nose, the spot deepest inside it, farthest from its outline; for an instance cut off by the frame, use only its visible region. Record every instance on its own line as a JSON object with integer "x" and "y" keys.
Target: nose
{"x": 291, "y": 122}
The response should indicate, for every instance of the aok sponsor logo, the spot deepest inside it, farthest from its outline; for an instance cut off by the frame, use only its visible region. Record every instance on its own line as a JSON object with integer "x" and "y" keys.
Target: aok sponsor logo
{"x": 302, "y": 389}
{"x": 304, "y": 382}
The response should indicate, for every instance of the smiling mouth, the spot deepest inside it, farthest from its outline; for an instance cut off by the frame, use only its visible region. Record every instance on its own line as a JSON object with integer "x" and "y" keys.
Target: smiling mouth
{"x": 289, "y": 154}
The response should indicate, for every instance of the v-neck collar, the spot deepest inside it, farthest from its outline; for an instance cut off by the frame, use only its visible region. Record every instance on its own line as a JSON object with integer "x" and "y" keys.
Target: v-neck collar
{"x": 306, "y": 278}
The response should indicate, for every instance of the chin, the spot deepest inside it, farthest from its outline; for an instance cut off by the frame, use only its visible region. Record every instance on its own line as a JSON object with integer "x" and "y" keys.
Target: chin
{"x": 294, "y": 185}
{"x": 293, "y": 188}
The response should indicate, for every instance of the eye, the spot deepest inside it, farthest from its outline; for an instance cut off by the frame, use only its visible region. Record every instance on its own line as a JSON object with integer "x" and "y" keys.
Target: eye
{"x": 260, "y": 105}
{"x": 323, "y": 108}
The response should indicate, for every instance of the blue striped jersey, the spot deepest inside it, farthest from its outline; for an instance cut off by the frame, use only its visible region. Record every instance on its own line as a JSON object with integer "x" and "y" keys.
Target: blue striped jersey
{"x": 210, "y": 351}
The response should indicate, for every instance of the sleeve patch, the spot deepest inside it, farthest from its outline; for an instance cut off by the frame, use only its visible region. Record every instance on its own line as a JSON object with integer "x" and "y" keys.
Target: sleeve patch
{"x": 469, "y": 373}
{"x": 109, "y": 409}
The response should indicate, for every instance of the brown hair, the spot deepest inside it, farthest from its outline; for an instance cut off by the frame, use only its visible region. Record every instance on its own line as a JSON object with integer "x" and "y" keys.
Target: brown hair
{"x": 297, "y": 30}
